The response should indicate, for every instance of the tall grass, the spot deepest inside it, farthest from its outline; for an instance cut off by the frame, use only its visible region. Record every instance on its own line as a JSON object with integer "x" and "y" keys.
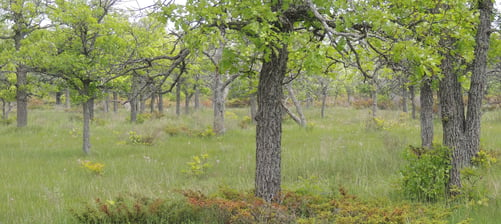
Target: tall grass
{"x": 41, "y": 179}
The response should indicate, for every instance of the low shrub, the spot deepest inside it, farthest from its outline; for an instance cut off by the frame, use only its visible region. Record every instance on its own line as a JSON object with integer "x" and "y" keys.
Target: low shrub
{"x": 137, "y": 139}
{"x": 135, "y": 208}
{"x": 231, "y": 206}
{"x": 426, "y": 174}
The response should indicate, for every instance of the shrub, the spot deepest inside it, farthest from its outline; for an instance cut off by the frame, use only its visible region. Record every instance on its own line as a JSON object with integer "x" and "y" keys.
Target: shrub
{"x": 208, "y": 132}
{"x": 245, "y": 122}
{"x": 426, "y": 175}
{"x": 198, "y": 165}
{"x": 93, "y": 167}
{"x": 177, "y": 130}
{"x": 472, "y": 190}
{"x": 136, "y": 139}
{"x": 135, "y": 208}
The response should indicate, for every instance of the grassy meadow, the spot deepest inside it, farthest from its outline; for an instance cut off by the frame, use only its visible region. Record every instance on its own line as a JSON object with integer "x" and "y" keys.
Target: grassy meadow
{"x": 41, "y": 178}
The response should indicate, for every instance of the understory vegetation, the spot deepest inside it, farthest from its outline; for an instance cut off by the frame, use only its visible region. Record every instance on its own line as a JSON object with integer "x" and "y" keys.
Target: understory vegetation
{"x": 344, "y": 168}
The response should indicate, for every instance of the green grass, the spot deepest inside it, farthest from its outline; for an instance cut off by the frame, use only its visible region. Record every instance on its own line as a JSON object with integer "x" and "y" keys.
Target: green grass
{"x": 41, "y": 179}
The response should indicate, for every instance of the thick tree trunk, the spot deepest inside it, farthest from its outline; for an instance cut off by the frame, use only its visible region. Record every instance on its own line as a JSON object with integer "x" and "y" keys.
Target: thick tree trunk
{"x": 452, "y": 110}
{"x": 462, "y": 133}
{"x": 22, "y": 96}
{"x": 426, "y": 114}
{"x": 106, "y": 102}
{"x": 269, "y": 125}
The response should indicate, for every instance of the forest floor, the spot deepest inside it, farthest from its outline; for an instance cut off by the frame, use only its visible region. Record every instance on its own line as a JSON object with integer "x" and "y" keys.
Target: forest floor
{"x": 42, "y": 177}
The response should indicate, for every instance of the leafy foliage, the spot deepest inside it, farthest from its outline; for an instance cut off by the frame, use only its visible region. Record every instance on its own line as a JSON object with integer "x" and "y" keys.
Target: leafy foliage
{"x": 426, "y": 175}
{"x": 198, "y": 165}
{"x": 93, "y": 167}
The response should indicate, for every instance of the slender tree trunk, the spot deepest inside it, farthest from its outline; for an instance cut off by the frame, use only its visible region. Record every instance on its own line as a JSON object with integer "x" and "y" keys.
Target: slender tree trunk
{"x": 86, "y": 126}
{"x": 160, "y": 103}
{"x": 218, "y": 93}
{"x": 59, "y": 94}
{"x": 269, "y": 125}
{"x": 106, "y": 103}
{"x": 142, "y": 103}
{"x": 297, "y": 104}
{"x": 22, "y": 96}
{"x": 426, "y": 114}
{"x": 178, "y": 98}
{"x": 187, "y": 100}
{"x": 253, "y": 107}
{"x": 374, "y": 93}
{"x": 67, "y": 98}
{"x": 115, "y": 102}
{"x": 324, "y": 100}
{"x": 134, "y": 109}
{"x": 5, "y": 115}
{"x": 197, "y": 97}
{"x": 413, "y": 101}
{"x": 91, "y": 108}
{"x": 405, "y": 107}
{"x": 152, "y": 103}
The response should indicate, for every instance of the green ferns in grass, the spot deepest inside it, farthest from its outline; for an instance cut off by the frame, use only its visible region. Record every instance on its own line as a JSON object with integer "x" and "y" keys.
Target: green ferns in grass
{"x": 426, "y": 175}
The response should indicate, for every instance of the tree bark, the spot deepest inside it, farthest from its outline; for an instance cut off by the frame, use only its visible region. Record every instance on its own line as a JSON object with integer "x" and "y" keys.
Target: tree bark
{"x": 22, "y": 96}
{"x": 67, "y": 98}
{"x": 160, "y": 103}
{"x": 478, "y": 78}
{"x": 152, "y": 103}
{"x": 86, "y": 126}
{"x": 115, "y": 102}
{"x": 405, "y": 107}
{"x": 462, "y": 133}
{"x": 178, "y": 98}
{"x": 59, "y": 94}
{"x": 426, "y": 114}
{"x": 374, "y": 93}
{"x": 253, "y": 107}
{"x": 413, "y": 101}
{"x": 269, "y": 124}
{"x": 324, "y": 101}
{"x": 197, "y": 98}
